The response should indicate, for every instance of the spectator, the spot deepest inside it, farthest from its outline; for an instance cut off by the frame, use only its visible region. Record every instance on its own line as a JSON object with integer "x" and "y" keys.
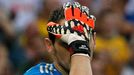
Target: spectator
{"x": 5, "y": 65}
{"x": 129, "y": 11}
{"x": 24, "y": 10}
{"x": 111, "y": 42}
{"x": 9, "y": 41}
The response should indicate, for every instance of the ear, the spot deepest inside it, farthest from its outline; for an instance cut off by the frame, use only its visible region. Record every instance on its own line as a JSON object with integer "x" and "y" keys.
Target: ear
{"x": 49, "y": 45}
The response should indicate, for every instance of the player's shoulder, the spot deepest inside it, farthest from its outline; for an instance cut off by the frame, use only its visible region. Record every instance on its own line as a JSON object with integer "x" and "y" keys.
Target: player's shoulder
{"x": 42, "y": 69}
{"x": 35, "y": 70}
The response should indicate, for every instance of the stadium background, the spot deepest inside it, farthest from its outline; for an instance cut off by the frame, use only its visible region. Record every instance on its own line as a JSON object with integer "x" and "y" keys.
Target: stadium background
{"x": 23, "y": 27}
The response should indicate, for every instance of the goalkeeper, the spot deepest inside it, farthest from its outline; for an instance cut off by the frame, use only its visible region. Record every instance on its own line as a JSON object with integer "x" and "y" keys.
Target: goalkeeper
{"x": 71, "y": 42}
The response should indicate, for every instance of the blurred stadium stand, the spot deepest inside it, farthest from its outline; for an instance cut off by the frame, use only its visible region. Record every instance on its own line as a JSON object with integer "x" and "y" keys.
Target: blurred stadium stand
{"x": 23, "y": 27}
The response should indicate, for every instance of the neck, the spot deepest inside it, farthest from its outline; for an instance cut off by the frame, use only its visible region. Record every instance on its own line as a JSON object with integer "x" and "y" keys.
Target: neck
{"x": 61, "y": 69}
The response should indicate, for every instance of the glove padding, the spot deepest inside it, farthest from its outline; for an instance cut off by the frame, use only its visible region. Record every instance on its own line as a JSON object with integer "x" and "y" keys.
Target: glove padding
{"x": 77, "y": 29}
{"x": 76, "y": 44}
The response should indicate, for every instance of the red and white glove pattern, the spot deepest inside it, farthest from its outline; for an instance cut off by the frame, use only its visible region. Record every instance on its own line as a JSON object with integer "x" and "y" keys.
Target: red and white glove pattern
{"x": 77, "y": 28}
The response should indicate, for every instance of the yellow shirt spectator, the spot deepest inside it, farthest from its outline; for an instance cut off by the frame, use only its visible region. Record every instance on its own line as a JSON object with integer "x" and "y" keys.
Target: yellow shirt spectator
{"x": 118, "y": 51}
{"x": 116, "y": 46}
{"x": 42, "y": 25}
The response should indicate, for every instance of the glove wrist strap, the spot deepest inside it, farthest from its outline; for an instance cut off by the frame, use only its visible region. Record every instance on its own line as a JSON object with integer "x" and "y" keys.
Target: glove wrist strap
{"x": 79, "y": 46}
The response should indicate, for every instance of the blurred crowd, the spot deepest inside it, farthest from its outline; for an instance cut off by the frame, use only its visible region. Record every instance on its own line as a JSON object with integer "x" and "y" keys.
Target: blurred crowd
{"x": 23, "y": 27}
